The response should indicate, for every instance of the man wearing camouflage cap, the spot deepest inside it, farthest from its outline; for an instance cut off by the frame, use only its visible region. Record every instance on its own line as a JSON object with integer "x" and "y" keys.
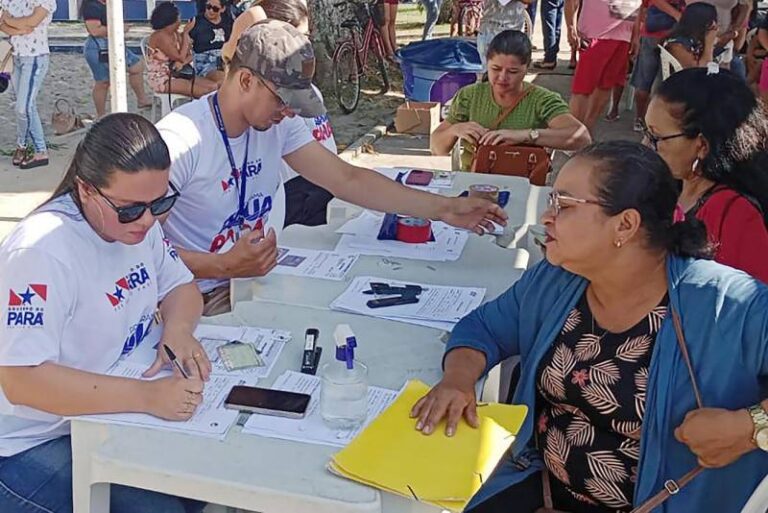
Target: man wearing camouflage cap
{"x": 227, "y": 150}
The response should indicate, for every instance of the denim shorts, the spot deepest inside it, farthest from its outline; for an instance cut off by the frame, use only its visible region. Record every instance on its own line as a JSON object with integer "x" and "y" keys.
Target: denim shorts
{"x": 207, "y": 62}
{"x": 99, "y": 69}
{"x": 647, "y": 64}
{"x": 39, "y": 480}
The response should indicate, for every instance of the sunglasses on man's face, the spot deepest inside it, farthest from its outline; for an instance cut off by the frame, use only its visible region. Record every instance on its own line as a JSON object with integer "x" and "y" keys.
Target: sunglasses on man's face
{"x": 133, "y": 212}
{"x": 213, "y": 8}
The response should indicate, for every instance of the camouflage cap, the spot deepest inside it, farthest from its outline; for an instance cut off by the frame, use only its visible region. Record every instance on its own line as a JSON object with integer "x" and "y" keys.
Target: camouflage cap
{"x": 281, "y": 54}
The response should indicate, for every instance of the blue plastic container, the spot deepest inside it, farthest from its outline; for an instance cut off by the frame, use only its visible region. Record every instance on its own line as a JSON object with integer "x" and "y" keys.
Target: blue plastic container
{"x": 435, "y": 70}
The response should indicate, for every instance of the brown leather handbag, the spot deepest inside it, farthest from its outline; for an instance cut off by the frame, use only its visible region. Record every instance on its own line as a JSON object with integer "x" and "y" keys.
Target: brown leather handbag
{"x": 529, "y": 161}
{"x": 671, "y": 486}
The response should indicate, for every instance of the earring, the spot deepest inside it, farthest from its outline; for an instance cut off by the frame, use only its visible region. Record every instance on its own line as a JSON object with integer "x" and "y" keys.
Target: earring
{"x": 618, "y": 243}
{"x": 695, "y": 167}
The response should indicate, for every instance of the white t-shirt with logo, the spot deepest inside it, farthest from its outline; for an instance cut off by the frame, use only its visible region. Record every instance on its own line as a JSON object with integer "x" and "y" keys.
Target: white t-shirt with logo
{"x": 72, "y": 298}
{"x": 321, "y": 130}
{"x": 36, "y": 42}
{"x": 204, "y": 218}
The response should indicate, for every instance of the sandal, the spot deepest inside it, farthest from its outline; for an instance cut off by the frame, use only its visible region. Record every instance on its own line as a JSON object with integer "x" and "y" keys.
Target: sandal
{"x": 18, "y": 156}
{"x": 545, "y": 65}
{"x": 31, "y": 162}
{"x": 611, "y": 118}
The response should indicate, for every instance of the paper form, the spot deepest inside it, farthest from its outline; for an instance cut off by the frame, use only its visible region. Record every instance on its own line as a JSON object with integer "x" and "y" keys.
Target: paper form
{"x": 310, "y": 263}
{"x": 269, "y": 342}
{"x": 359, "y": 235}
{"x": 312, "y": 429}
{"x": 437, "y": 303}
{"x": 210, "y": 419}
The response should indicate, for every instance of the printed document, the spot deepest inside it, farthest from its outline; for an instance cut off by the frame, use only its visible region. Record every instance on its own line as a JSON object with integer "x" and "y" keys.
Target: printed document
{"x": 310, "y": 263}
{"x": 311, "y": 429}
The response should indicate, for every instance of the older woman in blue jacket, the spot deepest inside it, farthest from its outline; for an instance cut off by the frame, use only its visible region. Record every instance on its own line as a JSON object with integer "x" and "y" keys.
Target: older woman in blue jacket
{"x": 614, "y": 420}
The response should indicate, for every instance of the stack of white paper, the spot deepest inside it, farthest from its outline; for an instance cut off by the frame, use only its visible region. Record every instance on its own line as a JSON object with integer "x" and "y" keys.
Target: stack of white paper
{"x": 310, "y": 263}
{"x": 211, "y": 419}
{"x": 311, "y": 429}
{"x": 439, "y": 306}
{"x": 359, "y": 235}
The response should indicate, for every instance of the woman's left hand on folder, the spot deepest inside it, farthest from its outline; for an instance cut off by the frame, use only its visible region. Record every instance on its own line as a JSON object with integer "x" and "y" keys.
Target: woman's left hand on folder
{"x": 451, "y": 399}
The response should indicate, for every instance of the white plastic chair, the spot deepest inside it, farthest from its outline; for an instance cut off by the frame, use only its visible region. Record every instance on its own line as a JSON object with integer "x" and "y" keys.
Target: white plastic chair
{"x": 669, "y": 64}
{"x": 167, "y": 101}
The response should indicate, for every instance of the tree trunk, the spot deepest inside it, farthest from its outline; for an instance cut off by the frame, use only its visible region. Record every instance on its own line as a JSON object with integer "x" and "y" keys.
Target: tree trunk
{"x": 326, "y": 32}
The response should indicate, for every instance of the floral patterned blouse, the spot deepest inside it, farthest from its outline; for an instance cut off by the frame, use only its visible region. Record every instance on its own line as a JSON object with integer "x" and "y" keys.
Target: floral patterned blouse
{"x": 591, "y": 402}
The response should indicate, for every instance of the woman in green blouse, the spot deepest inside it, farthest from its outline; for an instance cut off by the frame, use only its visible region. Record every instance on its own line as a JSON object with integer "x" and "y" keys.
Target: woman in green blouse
{"x": 542, "y": 117}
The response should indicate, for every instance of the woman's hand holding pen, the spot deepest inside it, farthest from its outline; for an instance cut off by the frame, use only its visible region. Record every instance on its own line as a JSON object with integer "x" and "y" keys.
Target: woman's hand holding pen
{"x": 189, "y": 352}
{"x": 173, "y": 398}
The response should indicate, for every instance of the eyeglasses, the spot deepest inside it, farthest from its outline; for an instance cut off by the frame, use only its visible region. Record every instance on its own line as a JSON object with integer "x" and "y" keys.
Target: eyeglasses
{"x": 555, "y": 198}
{"x": 280, "y": 102}
{"x": 209, "y": 7}
{"x": 134, "y": 211}
{"x": 654, "y": 140}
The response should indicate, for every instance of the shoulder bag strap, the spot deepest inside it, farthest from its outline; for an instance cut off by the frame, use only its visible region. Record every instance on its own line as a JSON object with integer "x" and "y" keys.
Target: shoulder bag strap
{"x": 671, "y": 486}
{"x": 506, "y": 112}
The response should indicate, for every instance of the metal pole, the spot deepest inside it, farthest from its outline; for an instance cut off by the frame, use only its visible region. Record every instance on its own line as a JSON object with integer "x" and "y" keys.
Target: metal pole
{"x": 116, "y": 36}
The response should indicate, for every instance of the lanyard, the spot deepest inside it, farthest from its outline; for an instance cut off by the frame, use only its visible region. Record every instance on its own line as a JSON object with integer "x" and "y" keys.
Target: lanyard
{"x": 238, "y": 174}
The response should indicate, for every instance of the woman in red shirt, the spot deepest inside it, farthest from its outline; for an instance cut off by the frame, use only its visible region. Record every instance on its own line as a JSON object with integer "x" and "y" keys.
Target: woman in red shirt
{"x": 713, "y": 134}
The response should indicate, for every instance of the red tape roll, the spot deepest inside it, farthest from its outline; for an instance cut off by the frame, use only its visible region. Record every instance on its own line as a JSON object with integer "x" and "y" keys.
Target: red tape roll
{"x": 413, "y": 230}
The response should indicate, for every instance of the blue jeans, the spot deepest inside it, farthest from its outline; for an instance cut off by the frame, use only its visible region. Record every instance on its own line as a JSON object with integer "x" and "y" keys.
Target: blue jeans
{"x": 28, "y": 76}
{"x": 39, "y": 480}
{"x": 551, "y": 23}
{"x": 433, "y": 11}
{"x": 738, "y": 67}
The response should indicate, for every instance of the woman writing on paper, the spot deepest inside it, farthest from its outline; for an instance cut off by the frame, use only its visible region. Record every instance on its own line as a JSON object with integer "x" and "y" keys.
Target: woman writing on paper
{"x": 613, "y": 412}
{"x": 539, "y": 116}
{"x": 83, "y": 275}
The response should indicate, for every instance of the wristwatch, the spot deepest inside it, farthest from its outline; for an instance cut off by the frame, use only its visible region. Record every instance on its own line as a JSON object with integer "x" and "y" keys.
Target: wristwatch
{"x": 760, "y": 421}
{"x": 533, "y": 135}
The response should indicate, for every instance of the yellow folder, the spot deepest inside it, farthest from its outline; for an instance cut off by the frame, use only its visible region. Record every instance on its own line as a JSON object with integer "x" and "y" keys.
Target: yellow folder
{"x": 391, "y": 455}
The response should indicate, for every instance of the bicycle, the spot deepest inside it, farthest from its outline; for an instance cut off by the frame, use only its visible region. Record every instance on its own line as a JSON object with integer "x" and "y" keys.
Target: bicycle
{"x": 351, "y": 56}
{"x": 467, "y": 14}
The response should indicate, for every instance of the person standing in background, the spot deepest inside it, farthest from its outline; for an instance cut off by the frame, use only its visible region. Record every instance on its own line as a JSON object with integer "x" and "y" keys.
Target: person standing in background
{"x": 498, "y": 17}
{"x": 433, "y": 12}
{"x": 26, "y": 21}
{"x": 96, "y": 44}
{"x": 388, "y": 29}
{"x": 551, "y": 23}
{"x": 603, "y": 30}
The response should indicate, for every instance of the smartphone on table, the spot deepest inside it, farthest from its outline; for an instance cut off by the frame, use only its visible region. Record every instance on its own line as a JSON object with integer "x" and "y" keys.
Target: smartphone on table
{"x": 267, "y": 401}
{"x": 418, "y": 177}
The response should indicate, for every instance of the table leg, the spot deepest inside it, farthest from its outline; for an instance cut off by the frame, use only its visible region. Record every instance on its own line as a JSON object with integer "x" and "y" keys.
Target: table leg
{"x": 87, "y": 496}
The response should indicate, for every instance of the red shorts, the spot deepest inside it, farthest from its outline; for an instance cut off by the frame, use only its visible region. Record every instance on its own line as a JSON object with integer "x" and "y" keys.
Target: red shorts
{"x": 603, "y": 65}
{"x": 391, "y": 2}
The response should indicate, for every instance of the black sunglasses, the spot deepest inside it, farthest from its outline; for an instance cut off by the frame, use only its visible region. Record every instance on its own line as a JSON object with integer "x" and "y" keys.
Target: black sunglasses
{"x": 212, "y": 8}
{"x": 135, "y": 211}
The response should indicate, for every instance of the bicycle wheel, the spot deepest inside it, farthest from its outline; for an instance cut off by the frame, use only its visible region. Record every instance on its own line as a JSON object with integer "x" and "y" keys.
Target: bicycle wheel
{"x": 375, "y": 72}
{"x": 346, "y": 76}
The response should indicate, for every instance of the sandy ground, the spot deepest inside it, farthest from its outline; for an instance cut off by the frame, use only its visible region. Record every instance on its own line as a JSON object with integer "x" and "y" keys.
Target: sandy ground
{"x": 70, "y": 78}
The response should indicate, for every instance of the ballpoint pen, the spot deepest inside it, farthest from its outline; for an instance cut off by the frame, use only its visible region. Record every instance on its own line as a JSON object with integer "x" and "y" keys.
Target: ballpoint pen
{"x": 175, "y": 361}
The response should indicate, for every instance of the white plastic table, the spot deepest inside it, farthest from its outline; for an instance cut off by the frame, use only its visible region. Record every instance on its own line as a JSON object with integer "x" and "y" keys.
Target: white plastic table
{"x": 277, "y": 476}
{"x": 251, "y": 472}
{"x": 487, "y": 261}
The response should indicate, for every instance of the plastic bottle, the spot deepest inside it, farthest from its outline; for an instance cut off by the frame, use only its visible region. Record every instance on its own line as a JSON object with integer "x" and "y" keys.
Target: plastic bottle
{"x": 344, "y": 392}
